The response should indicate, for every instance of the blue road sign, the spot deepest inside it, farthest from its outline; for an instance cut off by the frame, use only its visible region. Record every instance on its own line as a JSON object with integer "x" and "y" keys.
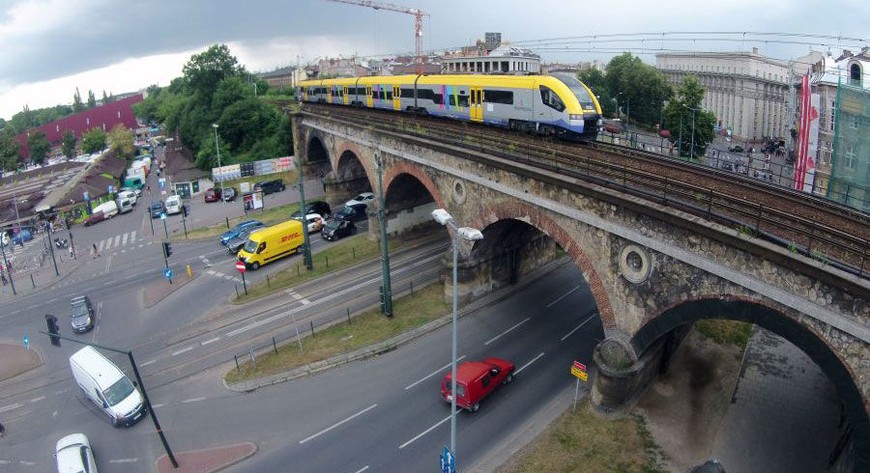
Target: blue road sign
{"x": 111, "y": 188}
{"x": 448, "y": 461}
{"x": 26, "y": 341}
{"x": 167, "y": 273}
{"x": 162, "y": 215}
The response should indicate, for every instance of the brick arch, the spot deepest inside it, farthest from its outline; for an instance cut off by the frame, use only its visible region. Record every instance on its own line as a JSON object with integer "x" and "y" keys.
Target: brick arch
{"x": 403, "y": 167}
{"x": 349, "y": 146}
{"x": 537, "y": 217}
{"x": 802, "y": 336}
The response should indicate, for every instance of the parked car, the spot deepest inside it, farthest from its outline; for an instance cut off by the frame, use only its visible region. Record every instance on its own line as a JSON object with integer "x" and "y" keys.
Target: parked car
{"x": 475, "y": 380}
{"x": 315, "y": 222}
{"x": 135, "y": 190}
{"x": 157, "y": 209}
{"x": 727, "y": 166}
{"x": 735, "y": 149}
{"x": 354, "y": 213}
{"x": 81, "y": 314}
{"x": 363, "y": 198}
{"x": 212, "y": 195}
{"x": 315, "y": 207}
{"x": 337, "y": 229}
{"x": 173, "y": 204}
{"x": 22, "y": 236}
{"x": 269, "y": 187}
{"x": 95, "y": 217}
{"x": 229, "y": 194}
{"x": 130, "y": 195}
{"x": 74, "y": 454}
{"x": 241, "y": 226}
{"x": 235, "y": 244}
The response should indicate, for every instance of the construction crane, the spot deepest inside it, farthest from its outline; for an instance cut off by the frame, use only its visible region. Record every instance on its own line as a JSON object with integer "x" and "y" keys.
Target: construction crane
{"x": 418, "y": 23}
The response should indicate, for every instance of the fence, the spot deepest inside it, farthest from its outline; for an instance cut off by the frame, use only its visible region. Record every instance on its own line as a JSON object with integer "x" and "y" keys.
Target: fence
{"x": 256, "y": 168}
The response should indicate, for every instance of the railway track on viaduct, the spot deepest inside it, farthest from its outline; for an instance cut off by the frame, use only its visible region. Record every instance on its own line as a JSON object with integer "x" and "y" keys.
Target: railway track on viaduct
{"x": 816, "y": 227}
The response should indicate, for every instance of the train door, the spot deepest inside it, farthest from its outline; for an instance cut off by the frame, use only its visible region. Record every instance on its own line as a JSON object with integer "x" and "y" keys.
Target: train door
{"x": 346, "y": 98}
{"x": 475, "y": 104}
{"x": 329, "y": 94}
{"x": 397, "y": 98}
{"x": 369, "y": 101}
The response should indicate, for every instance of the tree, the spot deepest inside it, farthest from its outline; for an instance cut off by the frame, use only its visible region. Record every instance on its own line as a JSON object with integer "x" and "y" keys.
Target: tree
{"x": 247, "y": 121}
{"x": 683, "y": 111}
{"x": 38, "y": 145}
{"x": 204, "y": 71}
{"x": 10, "y": 150}
{"x": 78, "y": 106}
{"x": 121, "y": 141}
{"x": 68, "y": 144}
{"x": 92, "y": 100}
{"x": 639, "y": 89}
{"x": 94, "y": 140}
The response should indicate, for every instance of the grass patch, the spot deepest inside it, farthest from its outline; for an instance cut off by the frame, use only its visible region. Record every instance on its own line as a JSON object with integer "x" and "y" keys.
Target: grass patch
{"x": 581, "y": 442}
{"x": 725, "y": 332}
{"x": 269, "y": 216}
{"x": 368, "y": 328}
{"x": 340, "y": 255}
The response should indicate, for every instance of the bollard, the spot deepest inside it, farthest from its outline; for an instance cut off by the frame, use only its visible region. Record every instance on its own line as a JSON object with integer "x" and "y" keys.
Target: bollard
{"x": 189, "y": 272}
{"x": 32, "y": 281}
{"x": 412, "y": 287}
{"x": 228, "y": 222}
{"x": 238, "y": 368}
{"x": 348, "y": 315}
{"x": 312, "y": 327}
{"x": 268, "y": 283}
{"x": 274, "y": 345}
{"x": 297, "y": 271}
{"x": 353, "y": 252}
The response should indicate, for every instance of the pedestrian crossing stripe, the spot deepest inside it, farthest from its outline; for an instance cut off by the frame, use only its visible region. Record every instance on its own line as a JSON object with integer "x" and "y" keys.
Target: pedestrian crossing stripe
{"x": 117, "y": 241}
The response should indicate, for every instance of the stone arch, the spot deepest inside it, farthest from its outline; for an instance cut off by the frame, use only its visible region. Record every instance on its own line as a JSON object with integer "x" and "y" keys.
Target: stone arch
{"x": 777, "y": 322}
{"x": 538, "y": 218}
{"x": 316, "y": 151}
{"x": 403, "y": 167}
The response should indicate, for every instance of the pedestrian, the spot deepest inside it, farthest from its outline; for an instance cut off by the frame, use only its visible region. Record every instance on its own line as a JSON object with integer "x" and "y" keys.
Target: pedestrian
{"x": 2, "y": 430}
{"x": 3, "y": 277}
{"x": 96, "y": 253}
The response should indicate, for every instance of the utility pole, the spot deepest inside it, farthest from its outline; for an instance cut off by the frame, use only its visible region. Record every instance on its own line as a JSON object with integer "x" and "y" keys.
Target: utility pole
{"x": 386, "y": 290}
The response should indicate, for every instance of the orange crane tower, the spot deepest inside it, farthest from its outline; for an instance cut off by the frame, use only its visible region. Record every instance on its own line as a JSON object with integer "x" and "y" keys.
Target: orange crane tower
{"x": 418, "y": 23}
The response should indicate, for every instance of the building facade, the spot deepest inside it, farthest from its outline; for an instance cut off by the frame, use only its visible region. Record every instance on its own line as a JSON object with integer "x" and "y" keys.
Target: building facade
{"x": 491, "y": 56}
{"x": 748, "y": 93}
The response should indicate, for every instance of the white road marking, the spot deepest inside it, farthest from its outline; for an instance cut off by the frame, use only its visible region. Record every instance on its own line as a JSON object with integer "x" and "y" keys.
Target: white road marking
{"x": 551, "y": 304}
{"x": 100, "y": 246}
{"x": 196, "y": 399}
{"x": 149, "y": 362}
{"x": 362, "y": 469}
{"x": 37, "y": 399}
{"x": 155, "y": 406}
{"x": 529, "y": 363}
{"x": 299, "y": 298}
{"x": 124, "y": 460}
{"x": 210, "y": 341}
{"x": 118, "y": 240}
{"x": 124, "y": 239}
{"x": 432, "y": 374}
{"x": 132, "y": 236}
{"x": 337, "y": 424}
{"x": 579, "y": 326}
{"x": 10, "y": 407}
{"x": 430, "y": 429}
{"x": 507, "y": 331}
{"x": 183, "y": 350}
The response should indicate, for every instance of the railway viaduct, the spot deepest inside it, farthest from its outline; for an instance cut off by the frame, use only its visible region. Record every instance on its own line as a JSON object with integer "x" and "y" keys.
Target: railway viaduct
{"x": 651, "y": 269}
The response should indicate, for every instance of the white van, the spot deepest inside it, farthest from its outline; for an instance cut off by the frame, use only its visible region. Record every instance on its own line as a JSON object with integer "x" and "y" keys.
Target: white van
{"x": 107, "y": 386}
{"x": 109, "y": 209}
{"x": 127, "y": 194}
{"x": 125, "y": 205}
{"x": 173, "y": 204}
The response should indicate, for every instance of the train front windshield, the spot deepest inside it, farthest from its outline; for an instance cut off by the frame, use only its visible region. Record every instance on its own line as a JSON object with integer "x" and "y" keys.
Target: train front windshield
{"x": 577, "y": 88}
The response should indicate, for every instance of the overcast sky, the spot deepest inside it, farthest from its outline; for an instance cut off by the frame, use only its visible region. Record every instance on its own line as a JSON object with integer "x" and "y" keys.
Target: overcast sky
{"x": 50, "y": 47}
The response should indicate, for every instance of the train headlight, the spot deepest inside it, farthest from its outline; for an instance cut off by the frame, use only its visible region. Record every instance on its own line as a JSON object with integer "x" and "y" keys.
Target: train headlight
{"x": 574, "y": 116}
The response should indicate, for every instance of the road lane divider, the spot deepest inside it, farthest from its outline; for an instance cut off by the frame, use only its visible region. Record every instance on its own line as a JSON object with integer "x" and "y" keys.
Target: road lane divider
{"x": 338, "y": 424}
{"x": 559, "y": 299}
{"x": 432, "y": 374}
{"x": 183, "y": 350}
{"x": 594, "y": 313}
{"x": 430, "y": 429}
{"x": 527, "y": 364}
{"x": 507, "y": 331}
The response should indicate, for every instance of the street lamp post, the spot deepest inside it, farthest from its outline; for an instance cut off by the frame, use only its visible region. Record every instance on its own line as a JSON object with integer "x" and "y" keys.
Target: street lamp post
{"x": 470, "y": 234}
{"x": 387, "y": 290}
{"x": 680, "y": 146}
{"x": 218, "y": 148}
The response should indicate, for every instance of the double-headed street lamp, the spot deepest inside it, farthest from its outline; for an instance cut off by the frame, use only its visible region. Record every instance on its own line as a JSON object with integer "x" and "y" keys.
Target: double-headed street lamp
{"x": 464, "y": 233}
{"x": 218, "y": 148}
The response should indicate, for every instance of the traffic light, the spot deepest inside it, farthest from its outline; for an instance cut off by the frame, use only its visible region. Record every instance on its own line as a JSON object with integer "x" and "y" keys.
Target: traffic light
{"x": 53, "y": 330}
{"x": 184, "y": 210}
{"x": 167, "y": 249}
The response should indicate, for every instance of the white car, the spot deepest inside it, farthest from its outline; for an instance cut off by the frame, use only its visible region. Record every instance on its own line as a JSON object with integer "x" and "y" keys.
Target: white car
{"x": 315, "y": 222}
{"x": 74, "y": 455}
{"x": 363, "y": 198}
{"x": 173, "y": 204}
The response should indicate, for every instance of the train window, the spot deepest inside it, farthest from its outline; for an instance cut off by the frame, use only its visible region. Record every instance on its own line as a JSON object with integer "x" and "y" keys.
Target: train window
{"x": 409, "y": 93}
{"x": 498, "y": 96}
{"x": 438, "y": 99}
{"x": 551, "y": 100}
{"x": 389, "y": 94}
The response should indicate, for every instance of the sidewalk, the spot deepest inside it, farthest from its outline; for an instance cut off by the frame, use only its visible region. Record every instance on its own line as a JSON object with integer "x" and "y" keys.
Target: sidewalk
{"x": 37, "y": 280}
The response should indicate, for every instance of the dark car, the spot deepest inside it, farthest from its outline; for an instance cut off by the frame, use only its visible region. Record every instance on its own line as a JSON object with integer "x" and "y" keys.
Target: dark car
{"x": 236, "y": 243}
{"x": 335, "y": 229}
{"x": 229, "y": 194}
{"x": 81, "y": 314}
{"x": 353, "y": 213}
{"x": 212, "y": 195}
{"x": 238, "y": 229}
{"x": 268, "y": 187}
{"x": 727, "y": 166}
{"x": 317, "y": 207}
{"x": 95, "y": 217}
{"x": 735, "y": 149}
{"x": 157, "y": 208}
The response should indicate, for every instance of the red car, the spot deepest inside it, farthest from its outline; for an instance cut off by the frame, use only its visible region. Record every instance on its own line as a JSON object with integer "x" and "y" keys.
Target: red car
{"x": 212, "y": 195}
{"x": 96, "y": 217}
{"x": 477, "y": 379}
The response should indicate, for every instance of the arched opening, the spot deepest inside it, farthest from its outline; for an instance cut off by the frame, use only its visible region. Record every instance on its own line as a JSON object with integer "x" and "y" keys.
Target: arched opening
{"x": 855, "y": 74}
{"x": 409, "y": 205}
{"x": 348, "y": 179}
{"x": 853, "y": 445}
{"x": 514, "y": 248}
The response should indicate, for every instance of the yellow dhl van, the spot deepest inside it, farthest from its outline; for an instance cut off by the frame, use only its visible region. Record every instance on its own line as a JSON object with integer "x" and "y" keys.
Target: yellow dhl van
{"x": 269, "y": 244}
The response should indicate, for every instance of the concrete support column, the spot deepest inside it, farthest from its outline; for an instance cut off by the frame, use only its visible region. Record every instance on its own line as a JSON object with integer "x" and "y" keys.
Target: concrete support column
{"x": 469, "y": 276}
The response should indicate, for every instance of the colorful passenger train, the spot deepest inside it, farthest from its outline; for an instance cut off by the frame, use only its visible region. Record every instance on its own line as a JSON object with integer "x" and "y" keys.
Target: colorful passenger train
{"x": 557, "y": 104}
